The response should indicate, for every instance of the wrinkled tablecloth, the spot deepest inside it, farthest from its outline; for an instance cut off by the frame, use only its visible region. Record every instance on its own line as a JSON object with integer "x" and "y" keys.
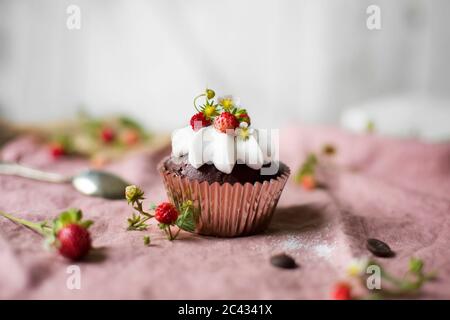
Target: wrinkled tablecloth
{"x": 395, "y": 190}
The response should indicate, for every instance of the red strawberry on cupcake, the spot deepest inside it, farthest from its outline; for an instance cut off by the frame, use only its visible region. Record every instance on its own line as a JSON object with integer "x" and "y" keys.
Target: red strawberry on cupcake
{"x": 226, "y": 121}
{"x": 199, "y": 121}
{"x": 242, "y": 116}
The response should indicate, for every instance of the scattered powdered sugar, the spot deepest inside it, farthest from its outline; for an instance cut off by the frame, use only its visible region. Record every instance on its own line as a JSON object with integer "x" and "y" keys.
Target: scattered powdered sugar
{"x": 292, "y": 243}
{"x": 317, "y": 246}
{"x": 320, "y": 243}
{"x": 323, "y": 250}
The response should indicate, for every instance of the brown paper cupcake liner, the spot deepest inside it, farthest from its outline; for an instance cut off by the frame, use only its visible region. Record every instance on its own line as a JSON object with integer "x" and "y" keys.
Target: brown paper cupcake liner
{"x": 226, "y": 210}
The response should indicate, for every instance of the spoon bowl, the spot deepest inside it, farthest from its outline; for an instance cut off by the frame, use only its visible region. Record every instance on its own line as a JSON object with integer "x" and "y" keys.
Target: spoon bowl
{"x": 94, "y": 183}
{"x": 98, "y": 183}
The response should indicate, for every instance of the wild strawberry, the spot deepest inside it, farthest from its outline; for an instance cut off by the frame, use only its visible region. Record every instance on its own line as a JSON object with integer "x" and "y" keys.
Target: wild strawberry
{"x": 107, "y": 135}
{"x": 226, "y": 121}
{"x": 74, "y": 241}
{"x": 243, "y": 117}
{"x": 342, "y": 291}
{"x": 130, "y": 137}
{"x": 199, "y": 121}
{"x": 56, "y": 150}
{"x": 166, "y": 213}
{"x": 68, "y": 232}
{"x": 308, "y": 182}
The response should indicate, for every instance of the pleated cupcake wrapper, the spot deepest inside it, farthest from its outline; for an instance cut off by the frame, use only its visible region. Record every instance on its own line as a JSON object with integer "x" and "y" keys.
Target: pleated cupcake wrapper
{"x": 226, "y": 210}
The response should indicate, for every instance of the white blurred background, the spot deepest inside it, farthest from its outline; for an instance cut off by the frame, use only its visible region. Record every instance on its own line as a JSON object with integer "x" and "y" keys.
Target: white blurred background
{"x": 296, "y": 61}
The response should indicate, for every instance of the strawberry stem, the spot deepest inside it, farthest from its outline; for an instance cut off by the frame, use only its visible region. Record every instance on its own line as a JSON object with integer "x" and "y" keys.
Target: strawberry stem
{"x": 170, "y": 233}
{"x": 176, "y": 234}
{"x": 40, "y": 227}
{"x": 195, "y": 100}
{"x": 138, "y": 207}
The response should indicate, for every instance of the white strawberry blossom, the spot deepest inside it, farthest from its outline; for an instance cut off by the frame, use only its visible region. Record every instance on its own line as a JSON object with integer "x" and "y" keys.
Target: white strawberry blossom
{"x": 357, "y": 267}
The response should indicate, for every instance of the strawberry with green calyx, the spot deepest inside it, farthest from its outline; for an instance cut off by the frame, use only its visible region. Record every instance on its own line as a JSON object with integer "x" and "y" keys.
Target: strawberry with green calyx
{"x": 68, "y": 233}
{"x": 72, "y": 236}
{"x": 242, "y": 116}
{"x": 167, "y": 215}
{"x": 206, "y": 112}
{"x": 204, "y": 117}
{"x": 199, "y": 121}
{"x": 224, "y": 115}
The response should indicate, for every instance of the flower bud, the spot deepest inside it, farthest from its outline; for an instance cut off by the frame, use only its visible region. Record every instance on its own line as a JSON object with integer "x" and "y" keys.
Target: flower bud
{"x": 210, "y": 94}
{"x": 133, "y": 194}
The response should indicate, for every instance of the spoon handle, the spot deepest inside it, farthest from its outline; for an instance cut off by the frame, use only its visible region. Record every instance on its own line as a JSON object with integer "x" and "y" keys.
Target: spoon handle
{"x": 14, "y": 169}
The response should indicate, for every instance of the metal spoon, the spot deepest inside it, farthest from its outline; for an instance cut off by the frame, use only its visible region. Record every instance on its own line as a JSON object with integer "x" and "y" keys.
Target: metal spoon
{"x": 89, "y": 182}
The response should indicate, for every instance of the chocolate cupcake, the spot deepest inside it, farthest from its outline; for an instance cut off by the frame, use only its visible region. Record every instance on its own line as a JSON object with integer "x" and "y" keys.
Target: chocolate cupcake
{"x": 226, "y": 168}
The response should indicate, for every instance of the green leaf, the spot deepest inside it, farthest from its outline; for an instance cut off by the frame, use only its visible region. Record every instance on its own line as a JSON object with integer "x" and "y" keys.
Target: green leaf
{"x": 147, "y": 240}
{"x": 65, "y": 218}
{"x": 135, "y": 223}
{"x": 415, "y": 265}
{"x": 57, "y": 225}
{"x": 186, "y": 220}
{"x": 87, "y": 223}
{"x": 307, "y": 168}
{"x": 75, "y": 214}
{"x": 130, "y": 123}
{"x": 70, "y": 216}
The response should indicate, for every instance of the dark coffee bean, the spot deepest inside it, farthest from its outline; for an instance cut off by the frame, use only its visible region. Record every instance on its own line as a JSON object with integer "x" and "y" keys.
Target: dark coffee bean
{"x": 283, "y": 261}
{"x": 379, "y": 248}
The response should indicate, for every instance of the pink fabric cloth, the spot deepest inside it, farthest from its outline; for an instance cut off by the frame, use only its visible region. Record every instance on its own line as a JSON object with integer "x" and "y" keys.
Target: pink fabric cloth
{"x": 394, "y": 190}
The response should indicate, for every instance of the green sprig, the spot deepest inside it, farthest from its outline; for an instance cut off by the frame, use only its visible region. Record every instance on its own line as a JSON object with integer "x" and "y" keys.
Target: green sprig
{"x": 307, "y": 168}
{"x": 409, "y": 285}
{"x": 138, "y": 221}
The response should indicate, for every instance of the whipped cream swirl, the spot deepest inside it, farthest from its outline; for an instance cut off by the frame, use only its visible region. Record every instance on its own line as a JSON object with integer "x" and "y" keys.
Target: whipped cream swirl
{"x": 223, "y": 150}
